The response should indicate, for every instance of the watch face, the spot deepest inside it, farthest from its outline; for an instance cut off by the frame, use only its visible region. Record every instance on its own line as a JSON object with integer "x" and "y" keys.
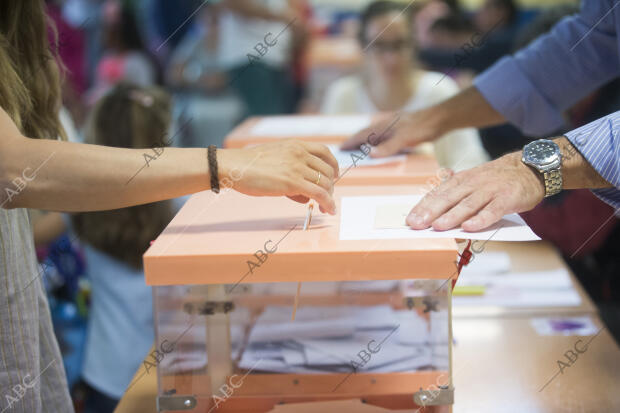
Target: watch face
{"x": 542, "y": 152}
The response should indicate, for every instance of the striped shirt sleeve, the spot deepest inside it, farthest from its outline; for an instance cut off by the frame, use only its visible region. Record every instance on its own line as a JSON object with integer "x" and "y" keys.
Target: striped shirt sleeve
{"x": 599, "y": 143}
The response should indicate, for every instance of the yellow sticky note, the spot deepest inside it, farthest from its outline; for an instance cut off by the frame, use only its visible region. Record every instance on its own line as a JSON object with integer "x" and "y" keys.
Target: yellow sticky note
{"x": 469, "y": 290}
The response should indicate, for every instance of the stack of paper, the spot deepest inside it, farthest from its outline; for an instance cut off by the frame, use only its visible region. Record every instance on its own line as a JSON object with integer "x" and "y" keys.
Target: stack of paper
{"x": 529, "y": 289}
{"x": 330, "y": 339}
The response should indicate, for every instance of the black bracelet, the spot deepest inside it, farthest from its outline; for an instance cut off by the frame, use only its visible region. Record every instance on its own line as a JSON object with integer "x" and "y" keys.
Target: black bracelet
{"x": 212, "y": 158}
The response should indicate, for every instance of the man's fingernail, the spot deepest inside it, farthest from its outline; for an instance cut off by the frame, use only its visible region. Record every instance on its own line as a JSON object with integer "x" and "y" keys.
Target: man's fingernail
{"x": 417, "y": 221}
{"x": 426, "y": 219}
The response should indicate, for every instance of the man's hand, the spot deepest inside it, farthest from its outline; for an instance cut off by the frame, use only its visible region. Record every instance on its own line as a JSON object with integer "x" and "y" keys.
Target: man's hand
{"x": 394, "y": 132}
{"x": 479, "y": 197}
{"x": 463, "y": 110}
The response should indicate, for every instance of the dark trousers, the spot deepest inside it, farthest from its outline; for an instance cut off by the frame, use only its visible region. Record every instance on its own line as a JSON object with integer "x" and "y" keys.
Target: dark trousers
{"x": 97, "y": 402}
{"x": 265, "y": 90}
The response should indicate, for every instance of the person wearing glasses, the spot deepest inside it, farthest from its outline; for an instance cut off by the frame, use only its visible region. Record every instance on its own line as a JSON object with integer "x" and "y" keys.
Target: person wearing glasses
{"x": 390, "y": 80}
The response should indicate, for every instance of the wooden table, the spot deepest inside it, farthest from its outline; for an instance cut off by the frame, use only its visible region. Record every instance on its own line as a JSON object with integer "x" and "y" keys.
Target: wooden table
{"x": 500, "y": 362}
{"x": 524, "y": 257}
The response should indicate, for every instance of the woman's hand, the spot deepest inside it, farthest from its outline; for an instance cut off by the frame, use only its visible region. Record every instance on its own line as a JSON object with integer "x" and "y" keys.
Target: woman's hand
{"x": 287, "y": 167}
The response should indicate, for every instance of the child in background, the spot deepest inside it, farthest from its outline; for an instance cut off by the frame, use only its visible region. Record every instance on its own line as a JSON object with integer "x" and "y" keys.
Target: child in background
{"x": 120, "y": 330}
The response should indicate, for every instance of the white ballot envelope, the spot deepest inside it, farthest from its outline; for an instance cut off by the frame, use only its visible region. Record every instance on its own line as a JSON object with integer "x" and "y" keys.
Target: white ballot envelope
{"x": 383, "y": 217}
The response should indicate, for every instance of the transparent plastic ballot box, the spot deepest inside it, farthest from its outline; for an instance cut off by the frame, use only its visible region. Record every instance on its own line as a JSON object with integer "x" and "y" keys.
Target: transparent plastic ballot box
{"x": 252, "y": 312}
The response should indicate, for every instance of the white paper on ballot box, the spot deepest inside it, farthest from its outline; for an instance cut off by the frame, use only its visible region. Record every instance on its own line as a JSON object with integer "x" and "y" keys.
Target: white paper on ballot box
{"x": 383, "y": 217}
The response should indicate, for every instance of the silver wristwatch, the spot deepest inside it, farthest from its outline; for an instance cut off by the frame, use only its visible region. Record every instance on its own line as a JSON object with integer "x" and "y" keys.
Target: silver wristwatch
{"x": 544, "y": 156}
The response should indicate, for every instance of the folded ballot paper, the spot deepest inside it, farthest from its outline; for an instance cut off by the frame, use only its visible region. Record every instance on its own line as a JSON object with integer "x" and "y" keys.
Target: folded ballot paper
{"x": 328, "y": 340}
{"x": 383, "y": 217}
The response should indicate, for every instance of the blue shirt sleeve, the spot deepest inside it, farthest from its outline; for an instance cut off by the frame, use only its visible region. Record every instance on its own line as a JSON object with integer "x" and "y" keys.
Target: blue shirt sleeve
{"x": 580, "y": 54}
{"x": 599, "y": 143}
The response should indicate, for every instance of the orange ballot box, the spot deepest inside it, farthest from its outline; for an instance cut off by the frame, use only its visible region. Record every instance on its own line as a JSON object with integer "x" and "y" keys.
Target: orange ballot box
{"x": 356, "y": 167}
{"x": 252, "y": 312}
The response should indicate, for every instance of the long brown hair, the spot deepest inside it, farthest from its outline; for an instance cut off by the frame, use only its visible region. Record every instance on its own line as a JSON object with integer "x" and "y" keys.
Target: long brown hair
{"x": 29, "y": 75}
{"x": 128, "y": 117}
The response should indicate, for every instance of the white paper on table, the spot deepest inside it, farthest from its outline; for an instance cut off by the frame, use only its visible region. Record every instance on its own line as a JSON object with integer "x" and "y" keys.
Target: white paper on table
{"x": 357, "y": 158}
{"x": 311, "y": 125}
{"x": 487, "y": 262}
{"x": 534, "y": 280}
{"x": 521, "y": 299}
{"x": 551, "y": 288}
{"x": 535, "y": 289}
{"x": 572, "y": 326}
{"x": 358, "y": 215}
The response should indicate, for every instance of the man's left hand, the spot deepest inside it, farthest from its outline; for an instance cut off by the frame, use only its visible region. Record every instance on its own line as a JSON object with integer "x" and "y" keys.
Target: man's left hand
{"x": 479, "y": 197}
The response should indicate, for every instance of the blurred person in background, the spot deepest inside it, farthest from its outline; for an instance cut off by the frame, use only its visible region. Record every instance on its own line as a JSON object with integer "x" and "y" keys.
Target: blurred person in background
{"x": 390, "y": 81}
{"x": 72, "y": 54}
{"x": 165, "y": 23}
{"x": 124, "y": 56}
{"x": 201, "y": 83}
{"x": 71, "y": 177}
{"x": 257, "y": 42}
{"x": 120, "y": 327}
{"x": 458, "y": 43}
{"x": 425, "y": 13}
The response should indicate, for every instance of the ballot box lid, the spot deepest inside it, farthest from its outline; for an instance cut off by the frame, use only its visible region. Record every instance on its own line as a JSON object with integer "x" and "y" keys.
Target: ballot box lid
{"x": 311, "y": 127}
{"x": 417, "y": 167}
{"x": 232, "y": 238}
